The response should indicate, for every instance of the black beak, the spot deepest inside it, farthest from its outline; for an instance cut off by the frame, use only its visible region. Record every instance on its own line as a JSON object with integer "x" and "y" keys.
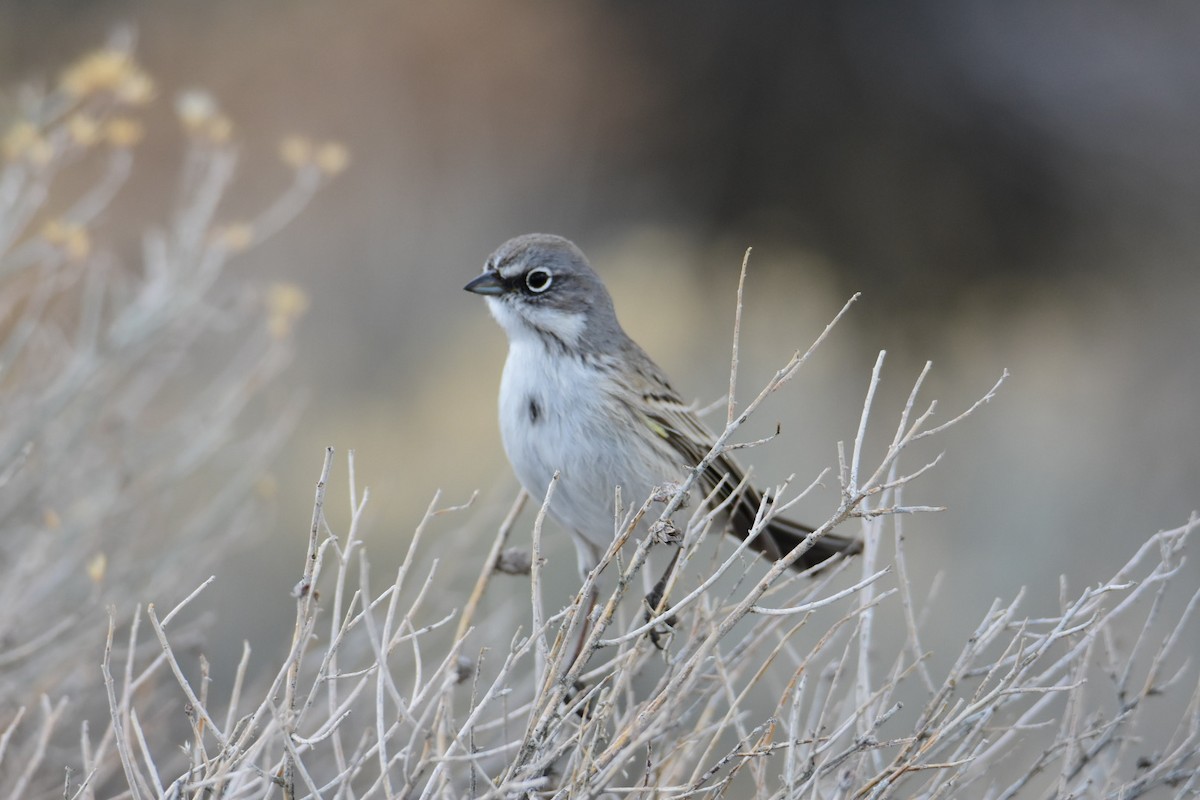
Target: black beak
{"x": 487, "y": 283}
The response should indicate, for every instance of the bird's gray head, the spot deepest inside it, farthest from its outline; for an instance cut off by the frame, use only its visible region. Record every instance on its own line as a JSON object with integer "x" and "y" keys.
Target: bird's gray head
{"x": 542, "y": 286}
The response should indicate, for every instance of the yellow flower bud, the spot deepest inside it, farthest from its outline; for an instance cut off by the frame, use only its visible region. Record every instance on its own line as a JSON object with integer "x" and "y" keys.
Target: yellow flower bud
{"x": 218, "y": 130}
{"x": 40, "y": 153}
{"x": 83, "y": 129}
{"x": 296, "y": 151}
{"x": 97, "y": 566}
{"x": 19, "y": 139}
{"x": 123, "y": 132}
{"x": 286, "y": 302}
{"x": 332, "y": 158}
{"x": 104, "y": 71}
{"x": 54, "y": 231}
{"x": 71, "y": 237}
{"x": 235, "y": 237}
{"x": 136, "y": 90}
{"x": 77, "y": 244}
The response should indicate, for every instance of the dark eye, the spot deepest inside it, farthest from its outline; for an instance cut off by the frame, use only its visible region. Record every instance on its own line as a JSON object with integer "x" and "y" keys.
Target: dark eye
{"x": 538, "y": 280}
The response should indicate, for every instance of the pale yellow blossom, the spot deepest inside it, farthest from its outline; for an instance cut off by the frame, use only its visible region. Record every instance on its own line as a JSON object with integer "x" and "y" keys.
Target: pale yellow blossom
{"x": 332, "y": 158}
{"x": 123, "y": 132}
{"x": 71, "y": 237}
{"x": 218, "y": 130}
{"x": 97, "y": 566}
{"x": 19, "y": 139}
{"x": 296, "y": 151}
{"x": 108, "y": 70}
{"x": 286, "y": 302}
{"x": 83, "y": 129}
{"x": 234, "y": 237}
{"x": 137, "y": 90}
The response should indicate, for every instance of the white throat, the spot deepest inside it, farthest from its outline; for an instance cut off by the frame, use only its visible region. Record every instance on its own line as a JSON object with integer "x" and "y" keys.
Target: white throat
{"x": 565, "y": 326}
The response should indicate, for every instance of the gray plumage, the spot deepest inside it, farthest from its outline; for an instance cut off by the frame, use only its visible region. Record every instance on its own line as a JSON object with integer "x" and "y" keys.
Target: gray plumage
{"x": 578, "y": 396}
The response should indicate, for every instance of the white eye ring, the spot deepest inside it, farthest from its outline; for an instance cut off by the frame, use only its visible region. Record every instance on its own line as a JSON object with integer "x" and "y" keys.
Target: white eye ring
{"x": 538, "y": 279}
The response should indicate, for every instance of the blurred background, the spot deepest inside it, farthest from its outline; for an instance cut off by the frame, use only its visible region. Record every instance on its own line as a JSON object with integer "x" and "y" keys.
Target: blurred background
{"x": 1010, "y": 185}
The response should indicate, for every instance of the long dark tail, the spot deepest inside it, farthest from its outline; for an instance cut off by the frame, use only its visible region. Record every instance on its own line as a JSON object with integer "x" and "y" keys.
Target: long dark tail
{"x": 782, "y": 536}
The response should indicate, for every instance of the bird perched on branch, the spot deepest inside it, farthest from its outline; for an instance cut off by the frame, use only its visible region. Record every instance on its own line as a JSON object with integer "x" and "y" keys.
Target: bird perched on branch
{"x": 579, "y": 397}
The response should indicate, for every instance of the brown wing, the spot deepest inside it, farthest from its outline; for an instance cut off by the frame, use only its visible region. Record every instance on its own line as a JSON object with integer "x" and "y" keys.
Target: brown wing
{"x": 677, "y": 425}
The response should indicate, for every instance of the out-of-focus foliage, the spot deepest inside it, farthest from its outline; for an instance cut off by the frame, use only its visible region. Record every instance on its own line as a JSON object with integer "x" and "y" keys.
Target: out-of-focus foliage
{"x": 137, "y": 416}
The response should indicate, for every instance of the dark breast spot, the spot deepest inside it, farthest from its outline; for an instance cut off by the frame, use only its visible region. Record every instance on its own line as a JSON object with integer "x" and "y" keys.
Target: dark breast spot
{"x": 535, "y": 410}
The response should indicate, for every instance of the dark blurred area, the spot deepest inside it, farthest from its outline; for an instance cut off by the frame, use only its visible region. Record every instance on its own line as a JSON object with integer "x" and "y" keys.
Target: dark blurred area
{"x": 943, "y": 143}
{"x": 1011, "y": 185}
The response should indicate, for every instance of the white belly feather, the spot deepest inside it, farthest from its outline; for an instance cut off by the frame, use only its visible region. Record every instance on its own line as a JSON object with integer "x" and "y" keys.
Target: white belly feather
{"x": 558, "y": 414}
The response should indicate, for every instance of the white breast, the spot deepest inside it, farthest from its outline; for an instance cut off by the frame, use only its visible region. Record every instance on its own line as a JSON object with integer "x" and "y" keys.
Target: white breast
{"x": 556, "y": 413}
